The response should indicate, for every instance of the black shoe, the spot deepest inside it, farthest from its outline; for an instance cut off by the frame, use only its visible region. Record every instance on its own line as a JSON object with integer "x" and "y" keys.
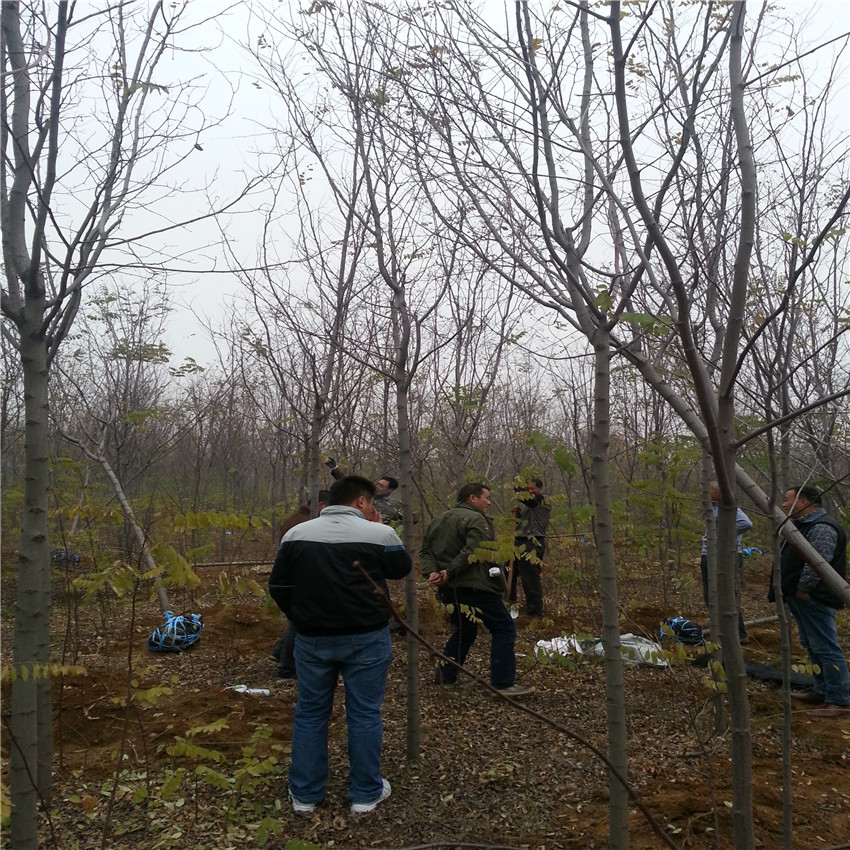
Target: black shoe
{"x": 439, "y": 680}
{"x": 286, "y": 674}
{"x": 808, "y": 696}
{"x": 516, "y": 690}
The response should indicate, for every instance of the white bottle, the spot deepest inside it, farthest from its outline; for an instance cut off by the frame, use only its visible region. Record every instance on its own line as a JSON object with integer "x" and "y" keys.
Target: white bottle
{"x": 252, "y": 692}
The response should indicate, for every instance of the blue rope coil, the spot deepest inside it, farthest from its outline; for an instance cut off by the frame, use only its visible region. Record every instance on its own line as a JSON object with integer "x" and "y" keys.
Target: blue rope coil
{"x": 64, "y": 556}
{"x": 177, "y": 632}
{"x": 683, "y": 631}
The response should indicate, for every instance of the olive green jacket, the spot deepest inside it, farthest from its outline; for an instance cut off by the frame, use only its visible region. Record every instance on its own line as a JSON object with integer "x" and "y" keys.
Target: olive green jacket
{"x": 451, "y": 539}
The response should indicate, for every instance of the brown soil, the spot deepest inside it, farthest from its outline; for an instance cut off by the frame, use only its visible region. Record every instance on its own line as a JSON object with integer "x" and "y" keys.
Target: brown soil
{"x": 487, "y": 773}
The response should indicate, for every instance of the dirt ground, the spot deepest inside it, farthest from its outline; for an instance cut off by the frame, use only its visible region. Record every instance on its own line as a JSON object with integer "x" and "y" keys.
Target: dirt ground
{"x": 487, "y": 773}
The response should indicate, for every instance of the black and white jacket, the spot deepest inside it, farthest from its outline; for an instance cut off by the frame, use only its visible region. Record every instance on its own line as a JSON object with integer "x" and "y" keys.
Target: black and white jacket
{"x": 315, "y": 580}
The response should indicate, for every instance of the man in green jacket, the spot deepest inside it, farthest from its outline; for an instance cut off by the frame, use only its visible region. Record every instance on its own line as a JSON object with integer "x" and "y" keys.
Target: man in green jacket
{"x": 452, "y": 564}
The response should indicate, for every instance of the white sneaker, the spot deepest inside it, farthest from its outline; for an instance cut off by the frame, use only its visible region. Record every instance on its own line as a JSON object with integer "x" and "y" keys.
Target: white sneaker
{"x": 362, "y": 808}
{"x": 301, "y": 808}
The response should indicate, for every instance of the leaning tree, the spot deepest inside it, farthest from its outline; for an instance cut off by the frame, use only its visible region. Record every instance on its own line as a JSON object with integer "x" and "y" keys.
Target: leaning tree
{"x": 608, "y": 154}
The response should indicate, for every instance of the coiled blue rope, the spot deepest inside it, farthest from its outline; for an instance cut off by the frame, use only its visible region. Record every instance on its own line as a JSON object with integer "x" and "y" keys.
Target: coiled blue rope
{"x": 177, "y": 632}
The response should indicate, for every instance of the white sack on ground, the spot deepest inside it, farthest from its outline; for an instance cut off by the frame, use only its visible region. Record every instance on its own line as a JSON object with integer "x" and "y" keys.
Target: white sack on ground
{"x": 636, "y": 650}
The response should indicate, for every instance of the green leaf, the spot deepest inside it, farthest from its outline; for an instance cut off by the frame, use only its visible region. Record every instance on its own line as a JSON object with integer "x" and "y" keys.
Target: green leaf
{"x": 215, "y": 726}
{"x": 212, "y": 777}
{"x": 134, "y": 417}
{"x": 603, "y": 300}
{"x": 564, "y": 460}
{"x": 173, "y": 782}
{"x": 645, "y": 320}
{"x": 538, "y": 441}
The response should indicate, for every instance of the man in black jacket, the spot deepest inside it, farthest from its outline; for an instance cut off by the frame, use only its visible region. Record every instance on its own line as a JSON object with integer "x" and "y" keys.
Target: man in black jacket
{"x": 319, "y": 580}
{"x": 530, "y": 542}
{"x": 813, "y": 605}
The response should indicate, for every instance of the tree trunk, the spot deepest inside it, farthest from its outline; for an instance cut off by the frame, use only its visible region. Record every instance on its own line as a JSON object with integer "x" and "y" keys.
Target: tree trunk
{"x": 736, "y": 676}
{"x": 410, "y": 598}
{"x": 787, "y": 733}
{"x": 615, "y": 699}
{"x": 721, "y": 721}
{"x": 31, "y": 721}
{"x": 136, "y": 530}
{"x": 733, "y": 658}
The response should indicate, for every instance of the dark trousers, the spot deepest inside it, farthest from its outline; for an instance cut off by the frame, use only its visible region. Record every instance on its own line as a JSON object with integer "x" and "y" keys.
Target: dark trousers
{"x": 739, "y": 579}
{"x": 490, "y": 610}
{"x": 529, "y": 574}
{"x": 284, "y": 651}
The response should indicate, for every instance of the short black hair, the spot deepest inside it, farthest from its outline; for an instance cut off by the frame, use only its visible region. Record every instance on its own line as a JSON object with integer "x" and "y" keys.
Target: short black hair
{"x": 392, "y": 483}
{"x": 538, "y": 482}
{"x": 475, "y": 489}
{"x": 348, "y": 489}
{"x": 324, "y": 495}
{"x": 810, "y": 494}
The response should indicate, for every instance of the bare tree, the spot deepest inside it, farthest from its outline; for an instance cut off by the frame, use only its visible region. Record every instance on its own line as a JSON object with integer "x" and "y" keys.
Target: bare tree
{"x": 62, "y": 200}
{"x": 650, "y": 156}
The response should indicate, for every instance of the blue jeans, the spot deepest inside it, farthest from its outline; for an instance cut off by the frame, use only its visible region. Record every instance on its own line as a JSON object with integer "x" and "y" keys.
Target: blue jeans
{"x": 490, "y": 609}
{"x": 363, "y": 660}
{"x": 819, "y": 637}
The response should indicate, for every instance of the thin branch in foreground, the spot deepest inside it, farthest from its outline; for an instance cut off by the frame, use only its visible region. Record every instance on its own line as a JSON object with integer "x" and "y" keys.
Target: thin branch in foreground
{"x": 461, "y": 846}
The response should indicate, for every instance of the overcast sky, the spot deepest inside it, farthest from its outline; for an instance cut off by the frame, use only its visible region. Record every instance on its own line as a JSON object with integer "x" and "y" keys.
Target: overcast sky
{"x": 232, "y": 150}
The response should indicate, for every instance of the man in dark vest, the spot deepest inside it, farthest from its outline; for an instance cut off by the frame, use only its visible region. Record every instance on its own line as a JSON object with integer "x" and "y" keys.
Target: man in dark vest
{"x": 813, "y": 605}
